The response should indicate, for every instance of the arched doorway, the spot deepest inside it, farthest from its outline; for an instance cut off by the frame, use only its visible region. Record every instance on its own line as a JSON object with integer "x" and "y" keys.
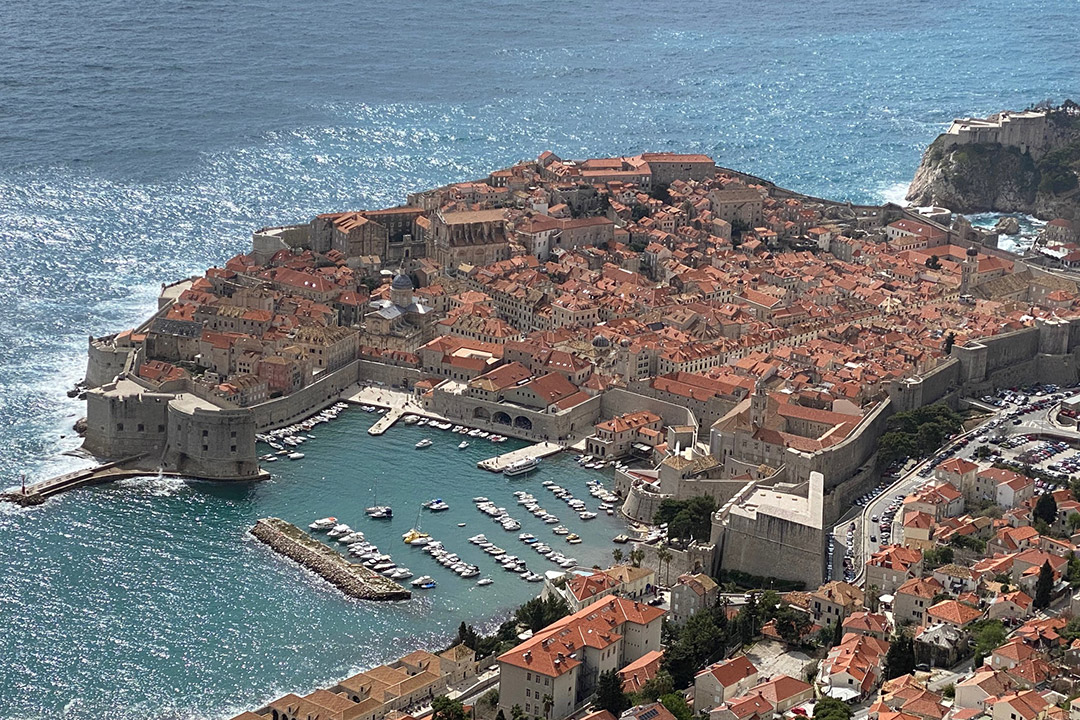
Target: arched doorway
{"x": 501, "y": 418}
{"x": 481, "y": 414}
{"x": 523, "y": 422}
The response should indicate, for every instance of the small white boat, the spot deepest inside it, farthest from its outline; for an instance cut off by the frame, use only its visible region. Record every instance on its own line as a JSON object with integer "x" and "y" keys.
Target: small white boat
{"x": 410, "y": 419}
{"x": 339, "y": 530}
{"x": 426, "y": 442}
{"x": 463, "y": 444}
{"x": 480, "y": 500}
{"x": 484, "y": 581}
{"x": 561, "y": 530}
{"x": 586, "y": 515}
{"x": 296, "y": 455}
{"x": 421, "y": 580}
{"x": 323, "y": 524}
{"x": 437, "y": 505}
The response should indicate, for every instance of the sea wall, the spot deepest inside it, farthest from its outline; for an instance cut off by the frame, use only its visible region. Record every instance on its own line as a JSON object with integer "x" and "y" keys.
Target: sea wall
{"x": 354, "y": 580}
{"x": 211, "y": 443}
{"x": 120, "y": 424}
{"x": 105, "y": 360}
{"x": 305, "y": 402}
{"x": 517, "y": 421}
{"x": 390, "y": 375}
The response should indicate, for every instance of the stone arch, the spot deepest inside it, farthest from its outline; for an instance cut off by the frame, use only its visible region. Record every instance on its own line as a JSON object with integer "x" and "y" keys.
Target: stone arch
{"x": 481, "y": 414}
{"x": 501, "y": 418}
{"x": 523, "y": 422}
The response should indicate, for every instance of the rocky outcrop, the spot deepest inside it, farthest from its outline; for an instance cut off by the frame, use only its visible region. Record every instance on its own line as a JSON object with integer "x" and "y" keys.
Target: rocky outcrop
{"x": 1008, "y": 226}
{"x": 991, "y": 177}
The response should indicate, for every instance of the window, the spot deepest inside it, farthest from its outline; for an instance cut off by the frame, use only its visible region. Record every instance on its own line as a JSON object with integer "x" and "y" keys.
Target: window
{"x": 119, "y": 427}
{"x": 141, "y": 428}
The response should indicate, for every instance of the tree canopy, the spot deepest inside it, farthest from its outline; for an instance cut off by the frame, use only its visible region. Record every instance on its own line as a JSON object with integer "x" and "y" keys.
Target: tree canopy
{"x": 1046, "y": 509}
{"x": 828, "y": 708}
{"x": 447, "y": 709}
{"x": 1044, "y": 586}
{"x": 900, "y": 659}
{"x": 609, "y": 693}
{"x": 691, "y": 518}
{"x": 538, "y": 613}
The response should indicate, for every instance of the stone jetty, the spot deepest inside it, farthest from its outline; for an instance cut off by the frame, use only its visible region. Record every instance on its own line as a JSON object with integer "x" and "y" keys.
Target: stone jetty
{"x": 352, "y": 579}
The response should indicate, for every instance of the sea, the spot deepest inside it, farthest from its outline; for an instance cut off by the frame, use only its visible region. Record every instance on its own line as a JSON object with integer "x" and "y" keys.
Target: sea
{"x": 143, "y": 142}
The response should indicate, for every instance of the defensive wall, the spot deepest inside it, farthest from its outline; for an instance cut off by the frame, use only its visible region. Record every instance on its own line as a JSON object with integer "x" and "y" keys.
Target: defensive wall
{"x": 617, "y": 401}
{"x": 517, "y": 420}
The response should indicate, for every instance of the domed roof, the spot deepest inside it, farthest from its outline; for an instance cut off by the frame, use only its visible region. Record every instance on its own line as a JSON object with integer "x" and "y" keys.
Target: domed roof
{"x": 401, "y": 282}
{"x": 972, "y": 251}
{"x": 601, "y": 341}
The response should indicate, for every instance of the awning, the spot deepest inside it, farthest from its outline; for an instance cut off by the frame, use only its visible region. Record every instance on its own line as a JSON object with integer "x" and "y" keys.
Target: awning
{"x": 842, "y": 693}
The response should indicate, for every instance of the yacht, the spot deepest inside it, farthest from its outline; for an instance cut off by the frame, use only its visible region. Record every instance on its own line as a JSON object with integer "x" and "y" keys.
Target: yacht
{"x": 480, "y": 500}
{"x": 295, "y": 455}
{"x": 382, "y": 513}
{"x": 339, "y": 530}
{"x": 586, "y": 515}
{"x": 573, "y": 539}
{"x": 323, "y": 524}
{"x": 401, "y": 574}
{"x": 484, "y": 581}
{"x": 410, "y": 419}
{"x": 521, "y": 467}
{"x": 426, "y": 442}
{"x": 436, "y": 505}
{"x": 463, "y": 444}
{"x": 561, "y": 530}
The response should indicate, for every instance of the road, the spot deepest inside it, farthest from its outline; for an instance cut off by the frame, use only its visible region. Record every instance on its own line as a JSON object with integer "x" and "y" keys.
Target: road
{"x": 1032, "y": 422}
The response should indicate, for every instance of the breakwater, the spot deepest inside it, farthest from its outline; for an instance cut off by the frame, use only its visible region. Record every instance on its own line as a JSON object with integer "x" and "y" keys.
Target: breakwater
{"x": 352, "y": 579}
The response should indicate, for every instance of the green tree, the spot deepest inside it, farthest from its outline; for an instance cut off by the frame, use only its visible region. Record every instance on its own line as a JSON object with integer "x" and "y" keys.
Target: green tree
{"x": 1044, "y": 586}
{"x": 950, "y": 340}
{"x": 838, "y": 632}
{"x": 676, "y": 705}
{"x": 900, "y": 659}
{"x": 791, "y": 625}
{"x": 1045, "y": 509}
{"x": 516, "y": 713}
{"x": 1074, "y": 488}
{"x": 609, "y": 693}
{"x": 538, "y": 613}
{"x": 636, "y": 556}
{"x": 663, "y": 555}
{"x": 828, "y": 708}
{"x": 988, "y": 635}
{"x": 617, "y": 555}
{"x": 446, "y": 709}
{"x": 654, "y": 688}
{"x": 690, "y": 519}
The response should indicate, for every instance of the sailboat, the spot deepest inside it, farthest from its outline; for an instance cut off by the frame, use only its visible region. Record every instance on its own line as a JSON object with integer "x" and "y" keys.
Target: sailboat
{"x": 377, "y": 510}
{"x": 415, "y": 536}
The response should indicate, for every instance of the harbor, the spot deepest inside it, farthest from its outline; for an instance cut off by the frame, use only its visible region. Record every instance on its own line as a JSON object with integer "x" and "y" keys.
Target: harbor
{"x": 353, "y": 579}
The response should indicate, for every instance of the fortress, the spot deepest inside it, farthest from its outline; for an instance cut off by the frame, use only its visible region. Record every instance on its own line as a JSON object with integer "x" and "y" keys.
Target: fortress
{"x": 1031, "y": 131}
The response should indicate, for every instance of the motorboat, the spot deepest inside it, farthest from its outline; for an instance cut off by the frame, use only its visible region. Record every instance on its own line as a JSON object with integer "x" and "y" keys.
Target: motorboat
{"x": 339, "y": 530}
{"x": 421, "y": 580}
{"x": 295, "y": 456}
{"x": 380, "y": 511}
{"x": 323, "y": 524}
{"x": 401, "y": 574}
{"x": 573, "y": 539}
{"x": 436, "y": 505}
{"x": 586, "y": 515}
{"x": 410, "y": 419}
{"x": 480, "y": 500}
{"x": 521, "y": 467}
{"x": 426, "y": 442}
{"x": 352, "y": 537}
{"x": 463, "y": 444}
{"x": 561, "y": 530}
{"x": 484, "y": 581}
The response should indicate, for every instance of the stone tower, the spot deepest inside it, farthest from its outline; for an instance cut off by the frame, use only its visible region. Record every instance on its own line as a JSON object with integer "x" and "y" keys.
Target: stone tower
{"x": 759, "y": 405}
{"x": 968, "y": 269}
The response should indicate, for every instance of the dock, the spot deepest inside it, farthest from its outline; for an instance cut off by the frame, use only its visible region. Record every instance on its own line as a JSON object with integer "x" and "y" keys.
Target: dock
{"x": 385, "y": 422}
{"x": 539, "y": 450}
{"x": 350, "y": 578}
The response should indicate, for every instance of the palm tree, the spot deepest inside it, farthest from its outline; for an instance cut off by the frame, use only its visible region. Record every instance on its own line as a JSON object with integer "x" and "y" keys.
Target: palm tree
{"x": 617, "y": 554}
{"x": 636, "y": 556}
{"x": 664, "y": 555}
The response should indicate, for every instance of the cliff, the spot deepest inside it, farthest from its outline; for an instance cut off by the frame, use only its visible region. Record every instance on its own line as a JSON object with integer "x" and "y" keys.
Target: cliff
{"x": 966, "y": 171}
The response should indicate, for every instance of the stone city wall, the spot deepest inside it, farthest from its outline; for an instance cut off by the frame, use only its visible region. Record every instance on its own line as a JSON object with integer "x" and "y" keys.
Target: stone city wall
{"x": 619, "y": 402}
{"x": 215, "y": 444}
{"x": 305, "y": 402}
{"x": 773, "y": 547}
{"x": 522, "y": 422}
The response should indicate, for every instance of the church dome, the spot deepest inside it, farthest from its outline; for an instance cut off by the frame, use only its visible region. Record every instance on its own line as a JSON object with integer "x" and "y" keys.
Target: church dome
{"x": 401, "y": 282}
{"x": 601, "y": 341}
{"x": 972, "y": 252}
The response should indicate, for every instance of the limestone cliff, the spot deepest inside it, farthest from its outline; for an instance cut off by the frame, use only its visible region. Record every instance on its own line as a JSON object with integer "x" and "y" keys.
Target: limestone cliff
{"x": 969, "y": 176}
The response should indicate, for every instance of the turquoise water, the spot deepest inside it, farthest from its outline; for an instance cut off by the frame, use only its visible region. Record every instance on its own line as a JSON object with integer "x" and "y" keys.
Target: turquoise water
{"x": 185, "y": 591}
{"x": 141, "y": 142}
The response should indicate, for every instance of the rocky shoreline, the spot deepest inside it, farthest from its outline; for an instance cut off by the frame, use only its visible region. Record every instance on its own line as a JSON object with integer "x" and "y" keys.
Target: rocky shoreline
{"x": 354, "y": 580}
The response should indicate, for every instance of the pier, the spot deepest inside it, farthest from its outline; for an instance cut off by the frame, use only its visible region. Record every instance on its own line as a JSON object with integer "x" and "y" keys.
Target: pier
{"x": 350, "y": 578}
{"x": 39, "y": 492}
{"x": 539, "y": 450}
{"x": 386, "y": 421}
